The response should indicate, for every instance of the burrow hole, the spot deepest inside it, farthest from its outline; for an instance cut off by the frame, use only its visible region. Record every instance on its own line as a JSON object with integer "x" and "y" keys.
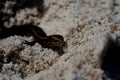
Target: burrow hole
{"x": 111, "y": 60}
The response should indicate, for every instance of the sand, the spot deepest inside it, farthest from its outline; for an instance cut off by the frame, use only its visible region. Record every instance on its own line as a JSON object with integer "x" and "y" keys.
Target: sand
{"x": 86, "y": 25}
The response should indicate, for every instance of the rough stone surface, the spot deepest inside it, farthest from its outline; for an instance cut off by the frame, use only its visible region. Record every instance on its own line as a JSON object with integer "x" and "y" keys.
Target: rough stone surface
{"x": 87, "y": 26}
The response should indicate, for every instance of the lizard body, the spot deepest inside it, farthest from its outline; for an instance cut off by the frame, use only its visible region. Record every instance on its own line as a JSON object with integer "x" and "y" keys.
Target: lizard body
{"x": 55, "y": 42}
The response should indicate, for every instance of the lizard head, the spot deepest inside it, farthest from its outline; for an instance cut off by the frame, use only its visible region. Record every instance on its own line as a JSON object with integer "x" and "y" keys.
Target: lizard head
{"x": 55, "y": 42}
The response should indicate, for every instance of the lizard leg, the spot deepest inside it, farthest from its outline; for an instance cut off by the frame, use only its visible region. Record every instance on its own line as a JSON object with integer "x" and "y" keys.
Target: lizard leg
{"x": 29, "y": 43}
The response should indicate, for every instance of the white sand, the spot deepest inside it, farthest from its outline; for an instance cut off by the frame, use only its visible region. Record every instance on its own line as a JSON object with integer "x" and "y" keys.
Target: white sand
{"x": 86, "y": 26}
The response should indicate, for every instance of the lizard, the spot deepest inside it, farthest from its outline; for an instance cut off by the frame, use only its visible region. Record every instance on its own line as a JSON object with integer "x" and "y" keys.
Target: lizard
{"x": 55, "y": 42}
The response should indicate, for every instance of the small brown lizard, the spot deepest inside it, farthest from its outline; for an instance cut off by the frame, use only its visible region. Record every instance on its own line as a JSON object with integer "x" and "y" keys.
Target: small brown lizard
{"x": 55, "y": 42}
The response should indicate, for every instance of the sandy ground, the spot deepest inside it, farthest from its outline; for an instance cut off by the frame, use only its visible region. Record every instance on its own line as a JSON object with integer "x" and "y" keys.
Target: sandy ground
{"x": 86, "y": 25}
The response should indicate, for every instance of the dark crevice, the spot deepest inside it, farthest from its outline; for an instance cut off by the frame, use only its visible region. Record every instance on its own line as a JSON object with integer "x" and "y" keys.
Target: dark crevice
{"x": 111, "y": 61}
{"x": 20, "y": 4}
